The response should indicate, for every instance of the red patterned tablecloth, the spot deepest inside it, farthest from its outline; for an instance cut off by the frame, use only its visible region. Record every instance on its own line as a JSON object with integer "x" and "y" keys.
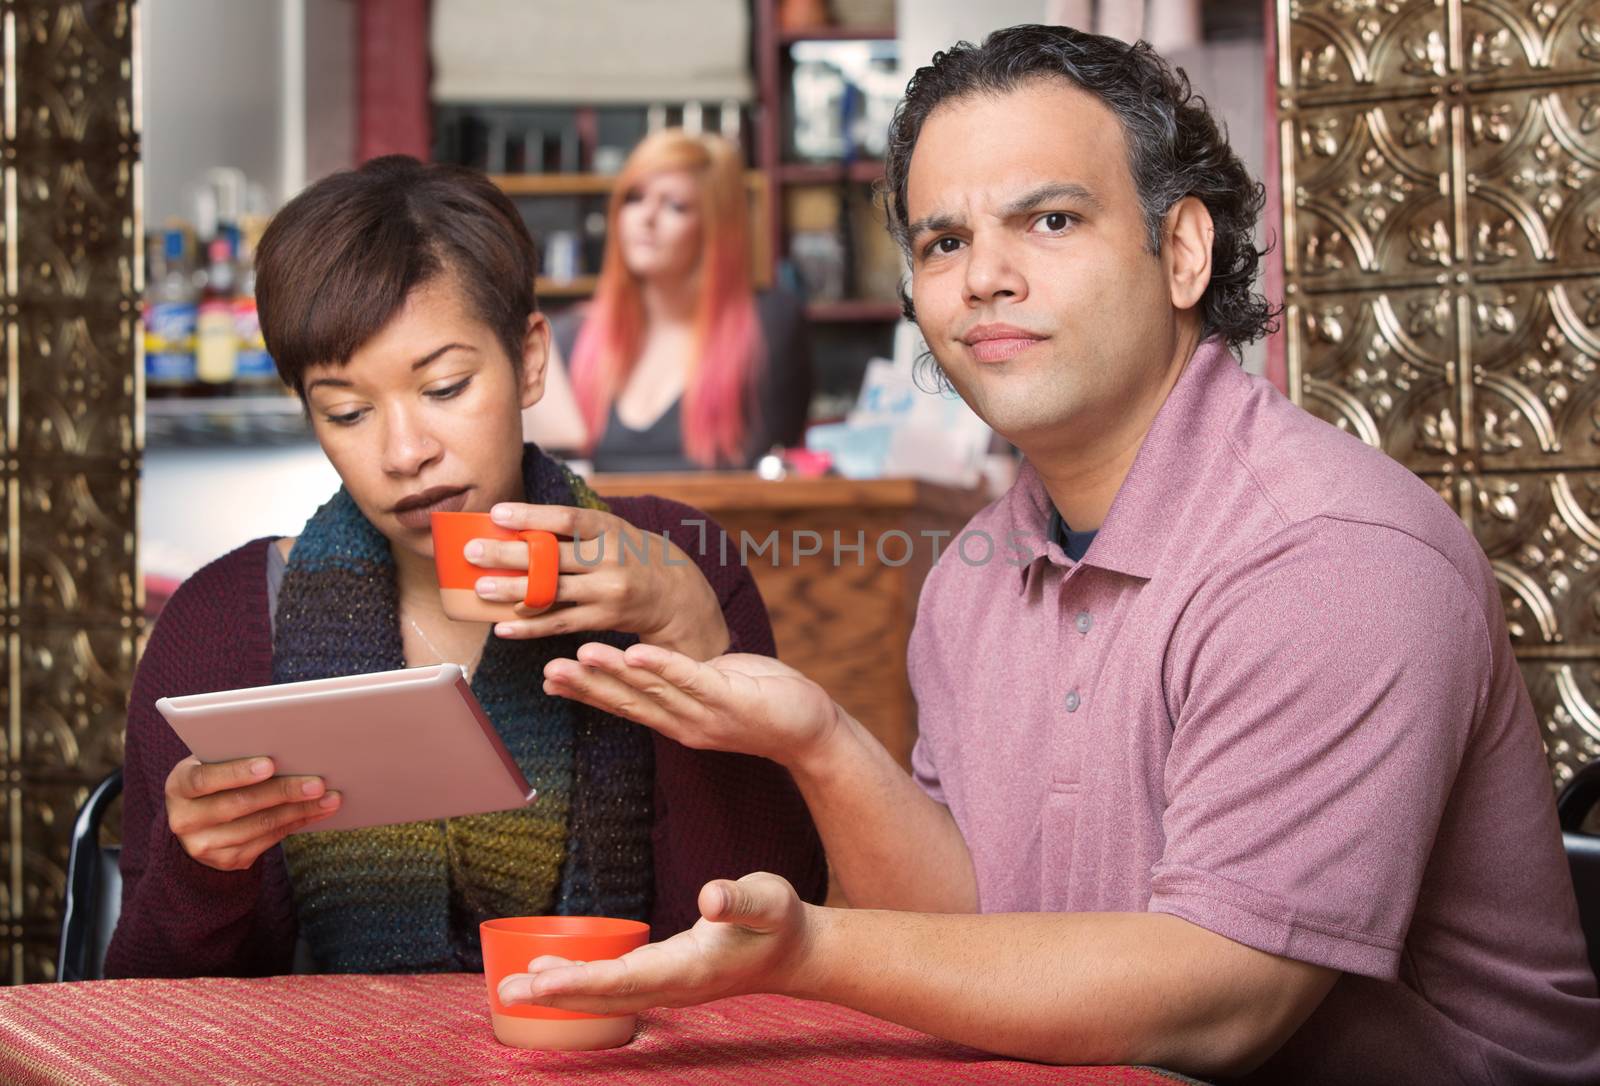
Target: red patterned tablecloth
{"x": 343, "y": 1030}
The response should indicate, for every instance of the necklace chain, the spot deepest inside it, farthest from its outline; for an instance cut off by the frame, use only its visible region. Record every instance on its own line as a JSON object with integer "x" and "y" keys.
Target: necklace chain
{"x": 466, "y": 669}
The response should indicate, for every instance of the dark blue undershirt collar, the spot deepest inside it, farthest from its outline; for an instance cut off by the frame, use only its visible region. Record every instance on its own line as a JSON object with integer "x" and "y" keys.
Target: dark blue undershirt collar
{"x": 1076, "y": 544}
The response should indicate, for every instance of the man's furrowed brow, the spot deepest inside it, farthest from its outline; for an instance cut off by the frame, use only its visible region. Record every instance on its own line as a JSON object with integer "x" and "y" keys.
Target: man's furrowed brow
{"x": 934, "y": 224}
{"x": 1066, "y": 192}
{"x": 1057, "y": 192}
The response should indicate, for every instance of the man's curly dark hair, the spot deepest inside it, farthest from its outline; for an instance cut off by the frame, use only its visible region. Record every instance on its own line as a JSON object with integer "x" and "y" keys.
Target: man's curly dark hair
{"x": 1175, "y": 148}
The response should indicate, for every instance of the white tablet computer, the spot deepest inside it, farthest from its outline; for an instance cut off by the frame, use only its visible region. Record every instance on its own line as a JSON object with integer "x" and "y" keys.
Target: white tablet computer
{"x": 399, "y": 746}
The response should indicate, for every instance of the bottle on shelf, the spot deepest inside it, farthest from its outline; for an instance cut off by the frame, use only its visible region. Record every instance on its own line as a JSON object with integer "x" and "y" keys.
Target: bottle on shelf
{"x": 170, "y": 314}
{"x": 216, "y": 338}
{"x": 255, "y": 373}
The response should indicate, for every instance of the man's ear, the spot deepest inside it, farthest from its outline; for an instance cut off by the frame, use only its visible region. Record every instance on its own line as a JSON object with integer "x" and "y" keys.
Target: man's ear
{"x": 1187, "y": 252}
{"x": 535, "y": 359}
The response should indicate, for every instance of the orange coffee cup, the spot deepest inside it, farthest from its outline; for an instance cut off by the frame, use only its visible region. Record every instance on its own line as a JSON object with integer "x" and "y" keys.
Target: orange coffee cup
{"x": 458, "y": 577}
{"x": 509, "y": 944}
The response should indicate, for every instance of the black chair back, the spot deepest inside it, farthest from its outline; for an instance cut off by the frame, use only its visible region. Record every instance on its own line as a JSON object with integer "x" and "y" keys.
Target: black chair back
{"x": 1577, "y": 799}
{"x": 94, "y": 889}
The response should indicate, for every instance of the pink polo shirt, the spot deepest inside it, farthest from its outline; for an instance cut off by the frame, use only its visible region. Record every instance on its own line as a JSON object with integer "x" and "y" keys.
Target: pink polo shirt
{"x": 1277, "y": 699}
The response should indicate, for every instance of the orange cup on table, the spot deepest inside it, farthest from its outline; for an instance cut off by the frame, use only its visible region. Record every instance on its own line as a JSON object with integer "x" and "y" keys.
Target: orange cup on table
{"x": 510, "y": 943}
{"x": 458, "y": 578}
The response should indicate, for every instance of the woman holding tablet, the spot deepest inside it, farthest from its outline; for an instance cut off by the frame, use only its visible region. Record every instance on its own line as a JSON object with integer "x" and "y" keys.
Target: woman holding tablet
{"x": 397, "y": 300}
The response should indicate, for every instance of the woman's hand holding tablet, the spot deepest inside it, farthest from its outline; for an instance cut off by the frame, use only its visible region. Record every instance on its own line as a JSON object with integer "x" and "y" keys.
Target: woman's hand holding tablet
{"x": 228, "y": 813}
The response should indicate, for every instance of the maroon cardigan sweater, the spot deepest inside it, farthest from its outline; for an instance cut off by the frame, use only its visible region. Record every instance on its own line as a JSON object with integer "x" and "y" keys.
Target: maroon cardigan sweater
{"x": 716, "y": 815}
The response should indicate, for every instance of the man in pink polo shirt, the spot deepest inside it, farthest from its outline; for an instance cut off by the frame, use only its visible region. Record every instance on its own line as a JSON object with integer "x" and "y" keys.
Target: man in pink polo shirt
{"x": 1220, "y": 728}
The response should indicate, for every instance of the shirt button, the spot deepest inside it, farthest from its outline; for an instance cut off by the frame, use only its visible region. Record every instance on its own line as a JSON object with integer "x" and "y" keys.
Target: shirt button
{"x": 1084, "y": 622}
{"x": 1073, "y": 701}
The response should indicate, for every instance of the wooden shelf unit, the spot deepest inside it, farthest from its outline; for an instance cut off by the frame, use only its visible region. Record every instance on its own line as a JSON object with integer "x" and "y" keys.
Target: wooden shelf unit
{"x": 554, "y": 184}
{"x": 772, "y": 43}
{"x": 767, "y": 180}
{"x": 866, "y": 171}
{"x": 580, "y": 287}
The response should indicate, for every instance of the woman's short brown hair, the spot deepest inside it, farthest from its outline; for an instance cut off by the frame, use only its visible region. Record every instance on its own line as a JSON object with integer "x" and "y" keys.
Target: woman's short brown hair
{"x": 340, "y": 259}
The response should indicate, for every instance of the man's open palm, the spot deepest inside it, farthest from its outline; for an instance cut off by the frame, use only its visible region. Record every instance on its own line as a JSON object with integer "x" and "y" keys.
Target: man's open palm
{"x": 752, "y": 937}
{"x": 743, "y": 703}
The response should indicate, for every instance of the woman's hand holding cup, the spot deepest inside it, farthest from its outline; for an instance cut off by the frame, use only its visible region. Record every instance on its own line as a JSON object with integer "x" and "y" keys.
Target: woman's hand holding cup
{"x": 610, "y": 576}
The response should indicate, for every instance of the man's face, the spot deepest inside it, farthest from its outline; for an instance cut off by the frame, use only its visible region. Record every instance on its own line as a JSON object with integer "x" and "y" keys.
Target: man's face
{"x": 1031, "y": 275}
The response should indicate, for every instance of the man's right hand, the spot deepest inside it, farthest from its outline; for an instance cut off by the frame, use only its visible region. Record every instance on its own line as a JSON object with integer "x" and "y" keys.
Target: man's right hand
{"x": 226, "y": 814}
{"x": 741, "y": 703}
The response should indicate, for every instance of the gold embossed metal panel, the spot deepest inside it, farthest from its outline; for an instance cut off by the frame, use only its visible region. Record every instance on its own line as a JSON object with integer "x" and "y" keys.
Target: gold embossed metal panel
{"x": 1440, "y": 162}
{"x": 72, "y": 279}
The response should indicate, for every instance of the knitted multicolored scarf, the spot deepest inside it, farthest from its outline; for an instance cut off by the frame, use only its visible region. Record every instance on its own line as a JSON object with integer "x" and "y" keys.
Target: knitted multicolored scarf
{"x": 409, "y": 898}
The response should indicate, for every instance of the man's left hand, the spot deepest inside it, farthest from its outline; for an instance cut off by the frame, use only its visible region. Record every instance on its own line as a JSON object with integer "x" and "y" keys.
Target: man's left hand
{"x": 754, "y": 935}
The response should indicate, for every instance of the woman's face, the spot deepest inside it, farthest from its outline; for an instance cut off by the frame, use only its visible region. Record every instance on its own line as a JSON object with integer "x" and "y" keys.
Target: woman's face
{"x": 659, "y": 226}
{"x": 426, "y": 416}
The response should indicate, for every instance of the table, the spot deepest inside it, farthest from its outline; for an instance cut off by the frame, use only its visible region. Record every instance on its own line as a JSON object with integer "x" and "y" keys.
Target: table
{"x": 344, "y": 1030}
{"x": 844, "y": 623}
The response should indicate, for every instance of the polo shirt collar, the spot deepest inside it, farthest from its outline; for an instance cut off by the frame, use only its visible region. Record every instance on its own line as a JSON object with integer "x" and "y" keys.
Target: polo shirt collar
{"x": 1139, "y": 523}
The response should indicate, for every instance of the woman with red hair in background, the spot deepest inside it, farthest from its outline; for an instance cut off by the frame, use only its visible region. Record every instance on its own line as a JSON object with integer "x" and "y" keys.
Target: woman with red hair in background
{"x": 677, "y": 364}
